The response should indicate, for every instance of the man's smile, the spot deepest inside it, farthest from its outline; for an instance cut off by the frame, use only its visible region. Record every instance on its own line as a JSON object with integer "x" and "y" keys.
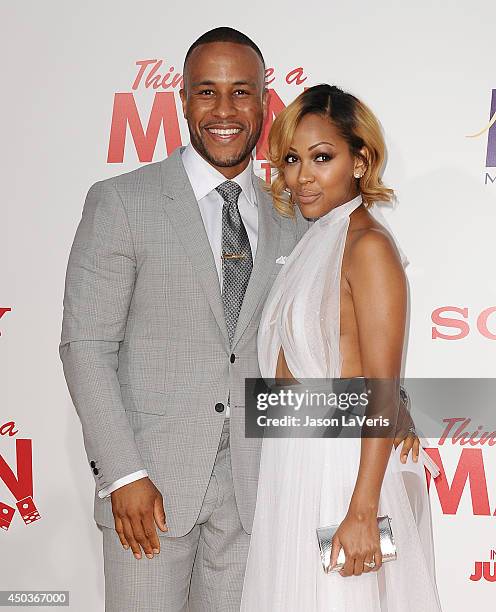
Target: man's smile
{"x": 223, "y": 134}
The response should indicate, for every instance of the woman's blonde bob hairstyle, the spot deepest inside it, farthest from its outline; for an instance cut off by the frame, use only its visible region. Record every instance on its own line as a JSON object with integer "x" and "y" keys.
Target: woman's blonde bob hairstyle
{"x": 357, "y": 125}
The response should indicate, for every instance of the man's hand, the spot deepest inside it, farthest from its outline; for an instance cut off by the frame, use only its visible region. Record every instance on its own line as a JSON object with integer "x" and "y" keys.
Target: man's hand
{"x": 137, "y": 507}
{"x": 403, "y": 431}
{"x": 411, "y": 441}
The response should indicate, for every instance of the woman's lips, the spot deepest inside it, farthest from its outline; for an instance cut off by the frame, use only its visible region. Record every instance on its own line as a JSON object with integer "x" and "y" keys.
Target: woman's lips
{"x": 307, "y": 198}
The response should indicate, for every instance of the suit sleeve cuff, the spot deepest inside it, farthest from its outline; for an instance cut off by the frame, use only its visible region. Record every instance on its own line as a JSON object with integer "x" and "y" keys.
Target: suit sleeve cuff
{"x": 117, "y": 484}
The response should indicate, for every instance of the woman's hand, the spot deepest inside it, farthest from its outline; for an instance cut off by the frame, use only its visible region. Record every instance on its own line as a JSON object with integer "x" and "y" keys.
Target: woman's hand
{"x": 358, "y": 535}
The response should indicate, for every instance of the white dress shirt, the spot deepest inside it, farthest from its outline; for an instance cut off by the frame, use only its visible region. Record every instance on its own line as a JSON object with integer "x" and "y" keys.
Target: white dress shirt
{"x": 204, "y": 179}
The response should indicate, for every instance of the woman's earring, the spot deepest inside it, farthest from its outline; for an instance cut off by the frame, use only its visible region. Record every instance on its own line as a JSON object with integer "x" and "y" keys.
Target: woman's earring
{"x": 358, "y": 174}
{"x": 288, "y": 191}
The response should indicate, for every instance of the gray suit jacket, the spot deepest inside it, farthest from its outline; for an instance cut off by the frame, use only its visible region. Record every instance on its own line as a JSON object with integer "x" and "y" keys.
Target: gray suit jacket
{"x": 144, "y": 342}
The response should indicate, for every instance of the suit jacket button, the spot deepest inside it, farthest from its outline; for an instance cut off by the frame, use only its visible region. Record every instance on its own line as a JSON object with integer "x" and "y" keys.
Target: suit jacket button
{"x": 95, "y": 471}
{"x": 233, "y": 358}
{"x": 92, "y": 463}
{"x": 219, "y": 407}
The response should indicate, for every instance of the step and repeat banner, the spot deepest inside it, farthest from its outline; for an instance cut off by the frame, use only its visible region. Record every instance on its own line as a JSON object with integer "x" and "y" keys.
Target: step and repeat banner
{"x": 91, "y": 90}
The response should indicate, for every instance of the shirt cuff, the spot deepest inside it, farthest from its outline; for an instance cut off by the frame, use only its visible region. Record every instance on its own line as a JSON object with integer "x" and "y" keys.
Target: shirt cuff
{"x": 117, "y": 484}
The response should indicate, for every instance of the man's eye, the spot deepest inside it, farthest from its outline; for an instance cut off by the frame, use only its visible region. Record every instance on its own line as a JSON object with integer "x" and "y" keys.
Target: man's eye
{"x": 323, "y": 157}
{"x": 241, "y": 92}
{"x": 290, "y": 159}
{"x": 206, "y": 92}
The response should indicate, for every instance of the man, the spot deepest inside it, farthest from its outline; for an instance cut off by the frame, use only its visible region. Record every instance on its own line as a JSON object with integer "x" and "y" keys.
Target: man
{"x": 166, "y": 280}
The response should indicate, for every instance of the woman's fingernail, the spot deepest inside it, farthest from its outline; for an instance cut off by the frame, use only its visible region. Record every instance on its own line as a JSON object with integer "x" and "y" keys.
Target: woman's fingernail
{"x": 156, "y": 551}
{"x": 137, "y": 556}
{"x": 126, "y": 546}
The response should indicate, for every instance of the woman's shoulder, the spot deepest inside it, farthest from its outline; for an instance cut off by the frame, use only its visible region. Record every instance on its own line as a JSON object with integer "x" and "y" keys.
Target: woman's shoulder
{"x": 370, "y": 243}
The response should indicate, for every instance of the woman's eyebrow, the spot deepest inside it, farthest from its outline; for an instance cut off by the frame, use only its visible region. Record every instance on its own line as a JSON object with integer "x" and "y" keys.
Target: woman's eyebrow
{"x": 319, "y": 143}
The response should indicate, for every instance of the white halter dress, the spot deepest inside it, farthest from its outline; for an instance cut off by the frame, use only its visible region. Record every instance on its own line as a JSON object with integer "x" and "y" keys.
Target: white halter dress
{"x": 305, "y": 483}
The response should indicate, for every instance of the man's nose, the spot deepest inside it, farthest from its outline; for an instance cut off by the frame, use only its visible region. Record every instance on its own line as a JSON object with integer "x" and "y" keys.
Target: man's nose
{"x": 224, "y": 106}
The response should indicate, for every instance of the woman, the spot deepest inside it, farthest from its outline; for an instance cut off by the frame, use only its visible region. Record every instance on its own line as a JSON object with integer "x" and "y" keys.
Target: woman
{"x": 336, "y": 310}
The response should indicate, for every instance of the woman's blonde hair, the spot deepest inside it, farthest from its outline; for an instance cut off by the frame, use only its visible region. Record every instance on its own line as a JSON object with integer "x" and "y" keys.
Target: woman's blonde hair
{"x": 357, "y": 125}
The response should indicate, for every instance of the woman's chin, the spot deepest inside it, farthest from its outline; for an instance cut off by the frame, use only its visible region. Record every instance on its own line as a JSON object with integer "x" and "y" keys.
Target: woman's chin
{"x": 312, "y": 211}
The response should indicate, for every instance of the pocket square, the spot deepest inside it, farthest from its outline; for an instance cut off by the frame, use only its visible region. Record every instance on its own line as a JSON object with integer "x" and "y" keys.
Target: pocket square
{"x": 281, "y": 260}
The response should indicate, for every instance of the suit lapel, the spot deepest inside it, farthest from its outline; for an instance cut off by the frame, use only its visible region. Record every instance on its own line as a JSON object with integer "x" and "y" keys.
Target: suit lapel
{"x": 267, "y": 249}
{"x": 182, "y": 209}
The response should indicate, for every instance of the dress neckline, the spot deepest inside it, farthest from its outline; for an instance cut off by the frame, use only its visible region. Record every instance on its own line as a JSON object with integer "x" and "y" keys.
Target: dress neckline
{"x": 343, "y": 210}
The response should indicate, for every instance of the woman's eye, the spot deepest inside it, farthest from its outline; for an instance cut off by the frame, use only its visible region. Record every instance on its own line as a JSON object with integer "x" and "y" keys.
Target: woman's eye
{"x": 323, "y": 157}
{"x": 290, "y": 159}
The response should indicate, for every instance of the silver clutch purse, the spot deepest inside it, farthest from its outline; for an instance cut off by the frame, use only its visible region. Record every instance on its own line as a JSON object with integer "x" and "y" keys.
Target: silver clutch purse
{"x": 325, "y": 535}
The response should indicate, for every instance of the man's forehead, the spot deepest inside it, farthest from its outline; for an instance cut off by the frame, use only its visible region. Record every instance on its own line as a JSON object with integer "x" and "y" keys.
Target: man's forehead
{"x": 225, "y": 78}
{"x": 228, "y": 62}
{"x": 218, "y": 49}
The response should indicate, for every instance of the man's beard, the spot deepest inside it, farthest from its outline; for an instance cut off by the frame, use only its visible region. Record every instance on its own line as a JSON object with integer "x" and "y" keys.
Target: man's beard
{"x": 228, "y": 162}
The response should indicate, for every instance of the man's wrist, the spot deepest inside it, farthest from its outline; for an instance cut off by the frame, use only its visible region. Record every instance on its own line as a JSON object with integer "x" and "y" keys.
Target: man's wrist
{"x": 121, "y": 482}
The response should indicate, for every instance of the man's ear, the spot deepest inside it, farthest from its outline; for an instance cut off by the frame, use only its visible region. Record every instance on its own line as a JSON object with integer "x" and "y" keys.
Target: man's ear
{"x": 183, "y": 95}
{"x": 265, "y": 102}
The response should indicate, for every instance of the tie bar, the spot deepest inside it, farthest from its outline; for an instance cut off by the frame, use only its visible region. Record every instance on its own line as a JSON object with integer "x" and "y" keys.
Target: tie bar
{"x": 233, "y": 256}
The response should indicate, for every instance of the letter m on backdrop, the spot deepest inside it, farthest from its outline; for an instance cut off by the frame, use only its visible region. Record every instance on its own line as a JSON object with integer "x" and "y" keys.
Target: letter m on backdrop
{"x": 470, "y": 469}
{"x": 125, "y": 113}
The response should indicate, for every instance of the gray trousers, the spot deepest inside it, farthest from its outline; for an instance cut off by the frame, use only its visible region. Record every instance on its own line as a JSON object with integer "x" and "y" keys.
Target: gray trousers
{"x": 201, "y": 572}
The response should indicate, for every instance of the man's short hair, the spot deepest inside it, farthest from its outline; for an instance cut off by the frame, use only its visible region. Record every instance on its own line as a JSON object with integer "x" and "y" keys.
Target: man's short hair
{"x": 224, "y": 34}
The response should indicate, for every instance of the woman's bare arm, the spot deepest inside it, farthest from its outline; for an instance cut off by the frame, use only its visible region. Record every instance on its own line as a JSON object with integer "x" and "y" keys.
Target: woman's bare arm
{"x": 378, "y": 287}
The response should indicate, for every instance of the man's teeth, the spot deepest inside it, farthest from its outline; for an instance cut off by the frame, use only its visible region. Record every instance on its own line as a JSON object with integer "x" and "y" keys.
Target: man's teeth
{"x": 220, "y": 132}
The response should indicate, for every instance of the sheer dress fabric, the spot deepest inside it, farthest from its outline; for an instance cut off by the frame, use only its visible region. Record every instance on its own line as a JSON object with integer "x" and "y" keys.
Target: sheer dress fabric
{"x": 305, "y": 483}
